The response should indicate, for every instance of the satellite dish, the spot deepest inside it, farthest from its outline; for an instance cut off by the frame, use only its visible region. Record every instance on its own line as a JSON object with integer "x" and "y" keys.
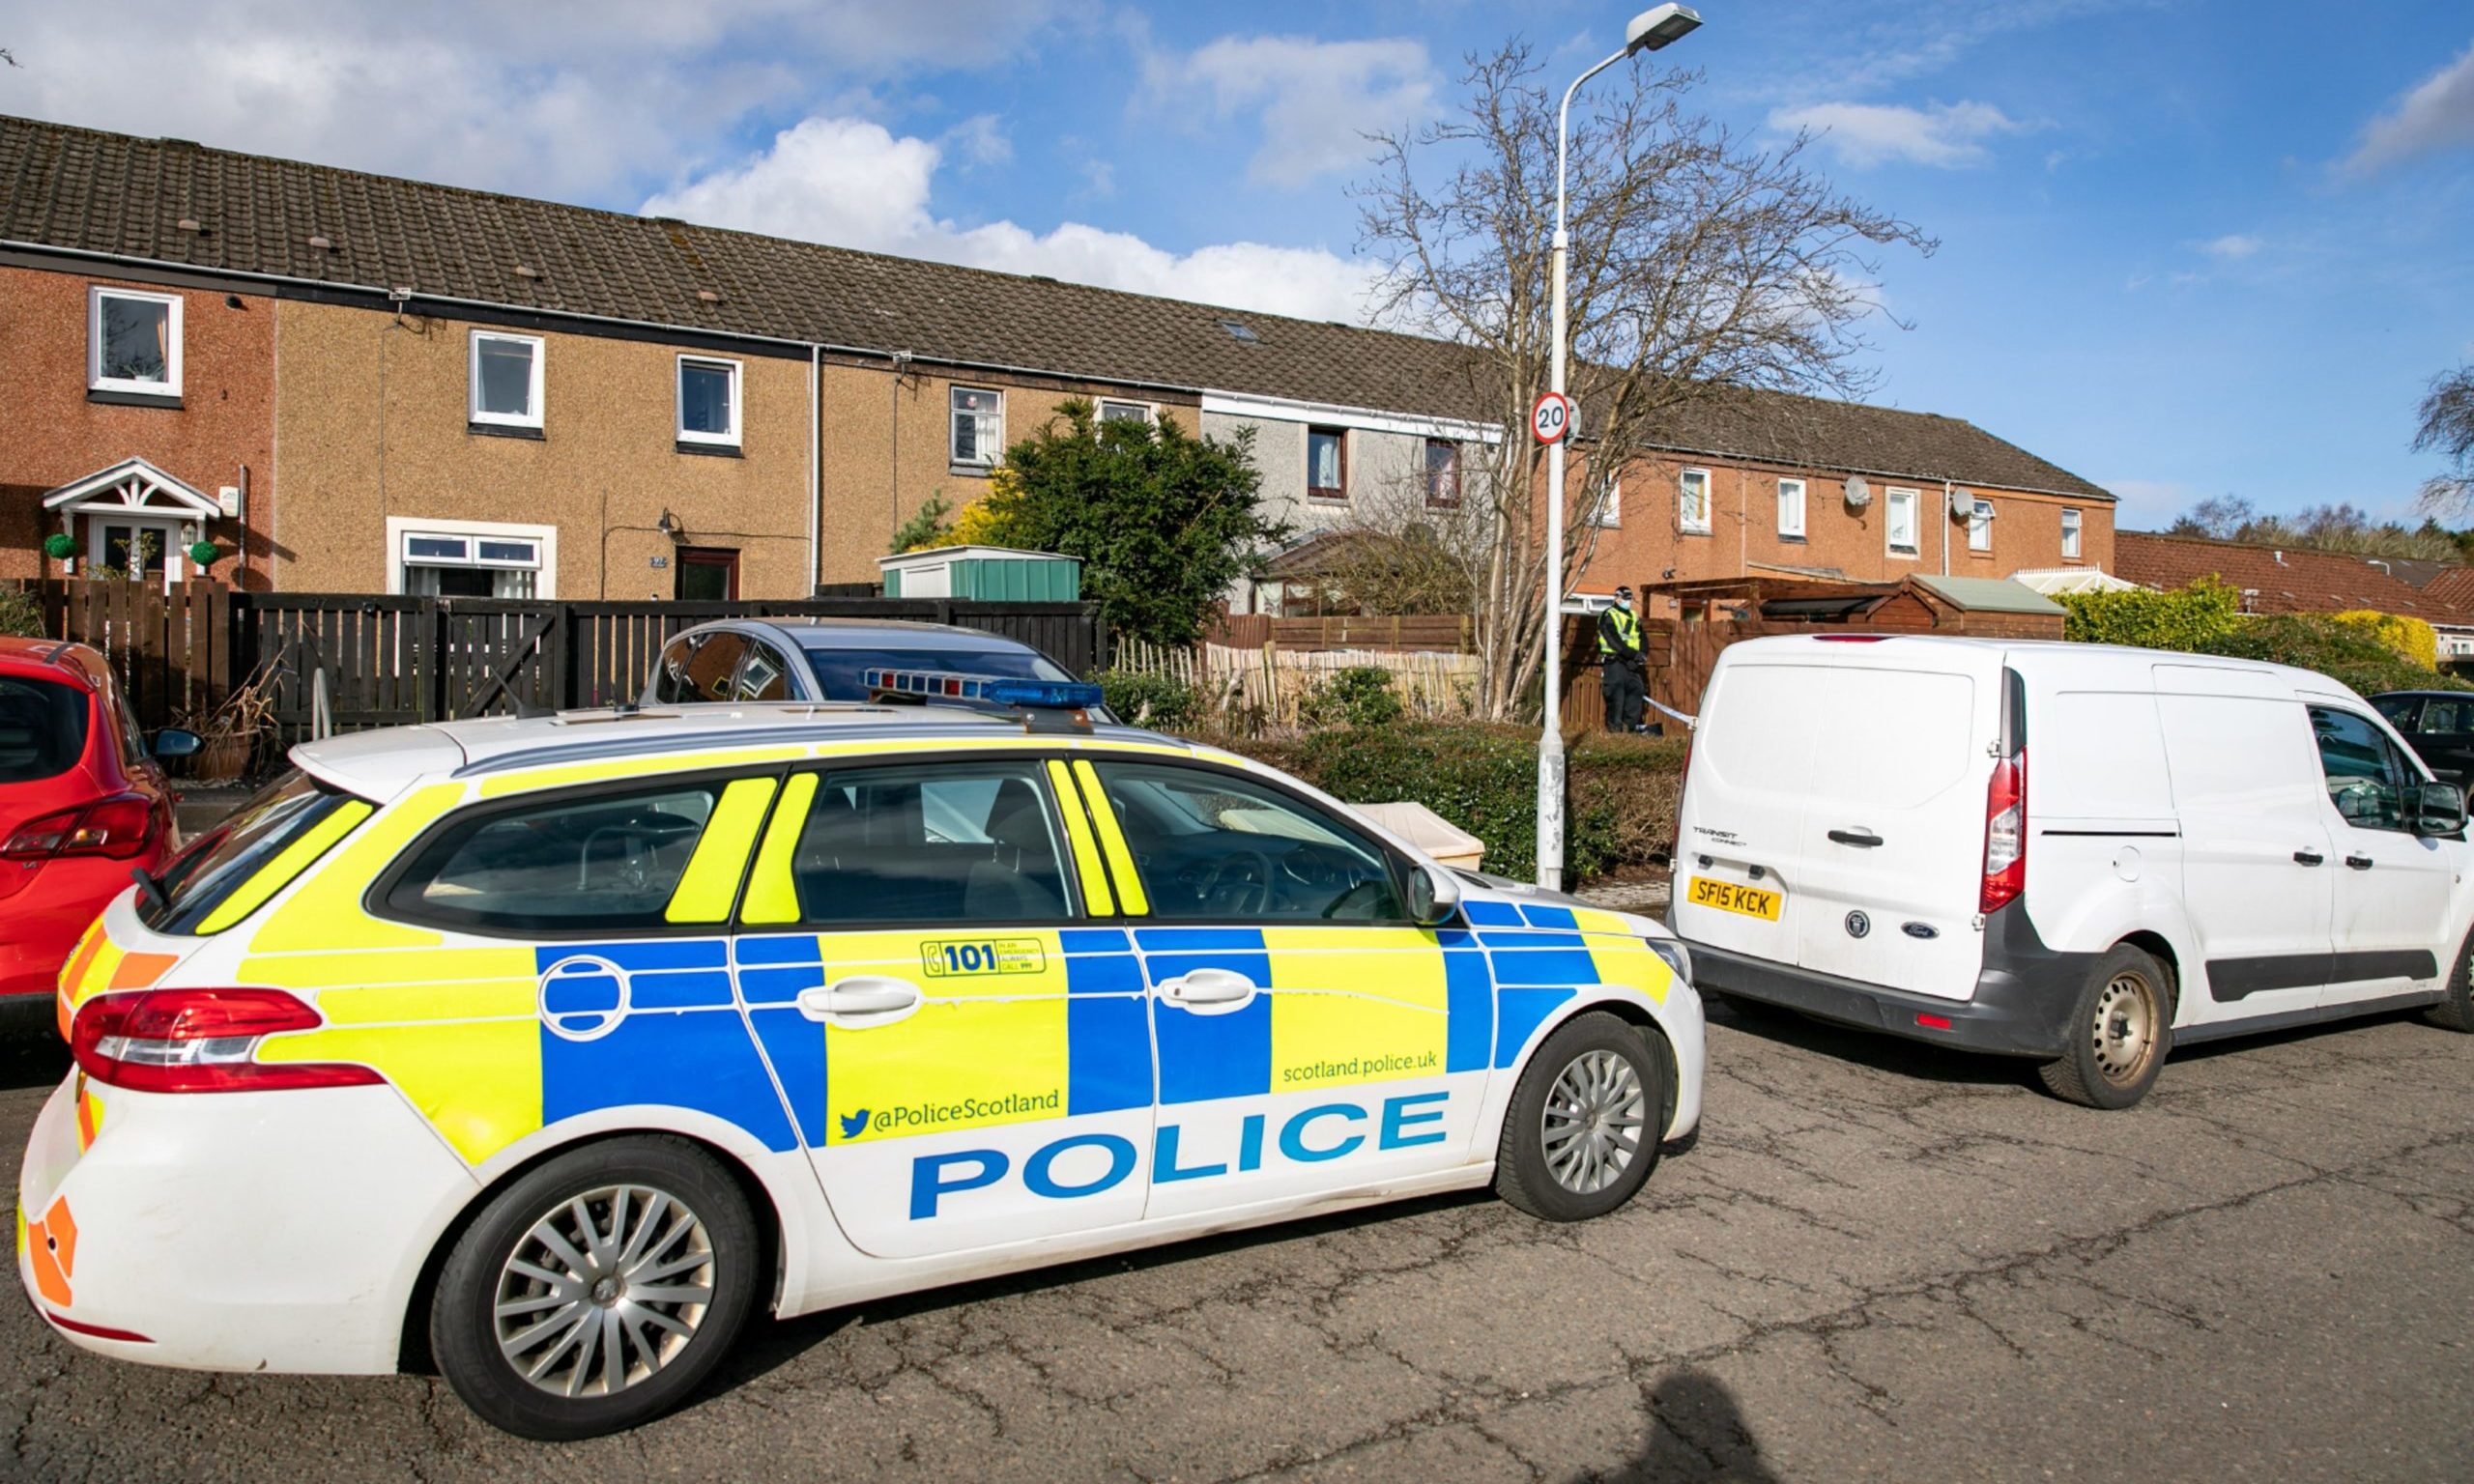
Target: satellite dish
{"x": 1858, "y": 493}
{"x": 1962, "y": 505}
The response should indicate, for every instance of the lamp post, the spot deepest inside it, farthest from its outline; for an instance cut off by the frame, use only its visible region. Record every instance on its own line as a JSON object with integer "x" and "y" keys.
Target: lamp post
{"x": 1652, "y": 29}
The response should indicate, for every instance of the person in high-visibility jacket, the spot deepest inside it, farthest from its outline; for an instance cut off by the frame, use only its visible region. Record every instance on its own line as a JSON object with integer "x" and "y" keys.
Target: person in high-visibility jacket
{"x": 1623, "y": 675}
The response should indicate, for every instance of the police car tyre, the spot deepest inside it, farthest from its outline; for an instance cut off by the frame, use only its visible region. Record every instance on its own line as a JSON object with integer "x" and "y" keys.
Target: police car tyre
{"x": 1582, "y": 1133}
{"x": 2456, "y": 1010}
{"x": 2118, "y": 1034}
{"x": 597, "y": 1292}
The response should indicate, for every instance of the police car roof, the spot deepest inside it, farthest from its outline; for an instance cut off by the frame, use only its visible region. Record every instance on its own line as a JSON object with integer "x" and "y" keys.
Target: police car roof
{"x": 379, "y": 764}
{"x": 872, "y": 633}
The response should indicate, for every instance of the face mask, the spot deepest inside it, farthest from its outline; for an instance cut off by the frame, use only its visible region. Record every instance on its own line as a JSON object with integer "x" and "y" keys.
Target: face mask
{"x": 1624, "y": 604}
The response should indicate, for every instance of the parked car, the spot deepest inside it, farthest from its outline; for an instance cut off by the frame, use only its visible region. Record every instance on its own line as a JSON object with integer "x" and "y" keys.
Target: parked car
{"x": 82, "y": 803}
{"x": 2079, "y": 854}
{"x": 752, "y": 660}
{"x": 2437, "y": 725}
{"x": 565, "y": 1043}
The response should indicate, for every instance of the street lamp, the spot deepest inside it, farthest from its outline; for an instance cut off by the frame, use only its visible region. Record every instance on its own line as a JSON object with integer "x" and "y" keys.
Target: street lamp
{"x": 1652, "y": 29}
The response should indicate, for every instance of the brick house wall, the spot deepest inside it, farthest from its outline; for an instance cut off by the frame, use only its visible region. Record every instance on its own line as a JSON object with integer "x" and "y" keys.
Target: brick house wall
{"x": 221, "y": 434}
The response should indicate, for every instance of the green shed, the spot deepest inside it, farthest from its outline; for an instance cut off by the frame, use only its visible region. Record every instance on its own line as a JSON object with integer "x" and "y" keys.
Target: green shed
{"x": 986, "y": 574}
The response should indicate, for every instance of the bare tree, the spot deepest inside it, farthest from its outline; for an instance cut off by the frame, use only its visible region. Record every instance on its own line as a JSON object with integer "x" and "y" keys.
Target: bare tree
{"x": 2218, "y": 517}
{"x": 1701, "y": 266}
{"x": 2447, "y": 428}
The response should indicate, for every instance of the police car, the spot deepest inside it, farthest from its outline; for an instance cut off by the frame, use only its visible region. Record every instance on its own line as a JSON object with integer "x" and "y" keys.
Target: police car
{"x": 553, "y": 1048}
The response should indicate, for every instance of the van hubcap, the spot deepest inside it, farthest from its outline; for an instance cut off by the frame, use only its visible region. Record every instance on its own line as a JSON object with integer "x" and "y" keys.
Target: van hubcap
{"x": 2126, "y": 1028}
{"x": 603, "y": 1291}
{"x": 1591, "y": 1126}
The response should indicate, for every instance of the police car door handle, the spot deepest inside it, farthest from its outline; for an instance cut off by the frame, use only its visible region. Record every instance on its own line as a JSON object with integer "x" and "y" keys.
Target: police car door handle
{"x": 1206, "y": 987}
{"x": 866, "y": 997}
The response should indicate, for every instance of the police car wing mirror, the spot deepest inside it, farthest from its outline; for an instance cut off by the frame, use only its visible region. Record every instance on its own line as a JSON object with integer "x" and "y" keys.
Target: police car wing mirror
{"x": 1434, "y": 895}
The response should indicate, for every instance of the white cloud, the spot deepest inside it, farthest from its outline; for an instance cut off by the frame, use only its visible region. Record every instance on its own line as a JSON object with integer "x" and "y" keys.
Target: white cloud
{"x": 855, "y": 184}
{"x": 1947, "y": 136}
{"x": 2232, "y": 247}
{"x": 2147, "y": 504}
{"x": 982, "y": 140}
{"x": 1317, "y": 100}
{"x": 2436, "y": 114}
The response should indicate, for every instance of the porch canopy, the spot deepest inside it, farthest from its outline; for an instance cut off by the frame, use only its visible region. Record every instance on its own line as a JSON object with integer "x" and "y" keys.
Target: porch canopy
{"x": 132, "y": 486}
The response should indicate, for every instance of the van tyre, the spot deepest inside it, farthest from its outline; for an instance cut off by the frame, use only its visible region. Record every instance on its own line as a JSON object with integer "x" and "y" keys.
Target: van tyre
{"x": 597, "y": 1291}
{"x": 1582, "y": 1132}
{"x": 2119, "y": 1032}
{"x": 2456, "y": 1010}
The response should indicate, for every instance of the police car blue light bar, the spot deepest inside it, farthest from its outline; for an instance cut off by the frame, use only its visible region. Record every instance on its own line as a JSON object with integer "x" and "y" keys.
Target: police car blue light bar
{"x": 995, "y": 689}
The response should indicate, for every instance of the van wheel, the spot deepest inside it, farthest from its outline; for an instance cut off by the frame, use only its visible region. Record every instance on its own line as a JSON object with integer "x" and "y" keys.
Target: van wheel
{"x": 1578, "y": 1140}
{"x": 2456, "y": 1010}
{"x": 2119, "y": 1032}
{"x": 595, "y": 1293}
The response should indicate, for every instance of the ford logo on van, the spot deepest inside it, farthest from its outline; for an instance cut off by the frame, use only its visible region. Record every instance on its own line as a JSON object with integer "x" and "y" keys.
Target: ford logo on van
{"x": 1919, "y": 929}
{"x": 1859, "y": 925}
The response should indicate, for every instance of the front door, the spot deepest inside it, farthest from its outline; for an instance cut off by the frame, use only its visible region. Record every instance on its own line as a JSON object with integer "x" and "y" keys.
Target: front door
{"x": 1308, "y": 1036}
{"x": 139, "y": 549}
{"x": 708, "y": 574}
{"x": 2392, "y": 890}
{"x": 966, "y": 1059}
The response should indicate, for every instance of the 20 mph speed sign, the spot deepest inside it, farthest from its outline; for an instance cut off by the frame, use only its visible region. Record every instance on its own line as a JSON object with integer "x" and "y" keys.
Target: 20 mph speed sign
{"x": 1552, "y": 417}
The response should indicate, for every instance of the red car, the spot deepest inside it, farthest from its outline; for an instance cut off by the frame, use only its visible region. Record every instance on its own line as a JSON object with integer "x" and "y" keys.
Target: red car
{"x": 82, "y": 803}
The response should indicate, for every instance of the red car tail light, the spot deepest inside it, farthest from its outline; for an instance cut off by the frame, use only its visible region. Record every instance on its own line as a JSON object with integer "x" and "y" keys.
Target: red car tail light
{"x": 120, "y": 827}
{"x": 199, "y": 1040}
{"x": 2006, "y": 834}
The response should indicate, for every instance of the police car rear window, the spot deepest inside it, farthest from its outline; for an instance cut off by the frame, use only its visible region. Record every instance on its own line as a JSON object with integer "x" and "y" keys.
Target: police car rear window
{"x": 215, "y": 867}
{"x": 839, "y": 670}
{"x": 42, "y": 727}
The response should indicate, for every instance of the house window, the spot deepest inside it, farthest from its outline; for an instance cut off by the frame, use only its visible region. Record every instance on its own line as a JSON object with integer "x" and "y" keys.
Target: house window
{"x": 1900, "y": 526}
{"x": 708, "y": 401}
{"x": 2070, "y": 536}
{"x": 457, "y": 559}
{"x": 1980, "y": 526}
{"x": 1692, "y": 501}
{"x": 1327, "y": 464}
{"x": 506, "y": 379}
{"x": 1443, "y": 473}
{"x": 1791, "y": 509}
{"x": 979, "y": 428}
{"x": 133, "y": 342}
{"x": 1610, "y": 515}
{"x": 1125, "y": 412}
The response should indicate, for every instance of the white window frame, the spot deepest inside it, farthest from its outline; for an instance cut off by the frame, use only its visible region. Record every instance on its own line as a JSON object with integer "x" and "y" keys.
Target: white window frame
{"x": 1682, "y": 518}
{"x": 532, "y": 418}
{"x": 1610, "y": 516}
{"x": 990, "y": 450}
{"x": 545, "y": 580}
{"x": 729, "y": 438}
{"x": 2072, "y": 522}
{"x": 1914, "y": 500}
{"x": 1150, "y": 411}
{"x": 1980, "y": 526}
{"x": 95, "y": 381}
{"x": 1791, "y": 512}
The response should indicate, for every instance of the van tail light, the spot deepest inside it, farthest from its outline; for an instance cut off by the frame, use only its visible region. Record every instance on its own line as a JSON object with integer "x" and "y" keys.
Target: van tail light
{"x": 2006, "y": 834}
{"x": 199, "y": 1040}
{"x": 120, "y": 827}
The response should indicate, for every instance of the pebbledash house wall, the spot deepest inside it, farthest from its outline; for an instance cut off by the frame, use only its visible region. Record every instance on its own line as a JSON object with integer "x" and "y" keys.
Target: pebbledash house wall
{"x": 373, "y": 422}
{"x": 221, "y": 434}
{"x": 1646, "y": 542}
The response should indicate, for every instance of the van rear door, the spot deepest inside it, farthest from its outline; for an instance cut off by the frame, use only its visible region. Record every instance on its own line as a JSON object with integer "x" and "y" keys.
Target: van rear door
{"x": 1744, "y": 803}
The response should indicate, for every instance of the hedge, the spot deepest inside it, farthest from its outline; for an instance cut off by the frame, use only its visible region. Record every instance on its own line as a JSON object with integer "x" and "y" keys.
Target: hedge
{"x": 2187, "y": 619}
{"x": 2410, "y": 637}
{"x": 2343, "y": 651}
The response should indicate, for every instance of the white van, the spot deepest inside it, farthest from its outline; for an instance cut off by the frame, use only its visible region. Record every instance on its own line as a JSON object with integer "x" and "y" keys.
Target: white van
{"x": 2071, "y": 852}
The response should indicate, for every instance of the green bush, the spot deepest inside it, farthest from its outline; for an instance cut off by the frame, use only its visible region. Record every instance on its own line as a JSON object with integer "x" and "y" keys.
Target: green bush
{"x": 2343, "y": 651}
{"x": 1162, "y": 703}
{"x": 2187, "y": 619}
{"x": 1359, "y": 695}
{"x": 20, "y": 615}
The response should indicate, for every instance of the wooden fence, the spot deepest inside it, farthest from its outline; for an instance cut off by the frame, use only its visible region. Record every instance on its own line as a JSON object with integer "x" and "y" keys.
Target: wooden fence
{"x": 389, "y": 661}
{"x": 1251, "y": 689}
{"x": 1437, "y": 633}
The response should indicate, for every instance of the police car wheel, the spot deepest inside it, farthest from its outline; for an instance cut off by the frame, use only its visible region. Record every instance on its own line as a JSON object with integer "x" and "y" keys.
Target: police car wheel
{"x": 595, "y": 1293}
{"x": 1582, "y": 1133}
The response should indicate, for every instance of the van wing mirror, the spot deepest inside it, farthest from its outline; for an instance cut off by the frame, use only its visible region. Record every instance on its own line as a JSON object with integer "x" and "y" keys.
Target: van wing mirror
{"x": 1435, "y": 894}
{"x": 2439, "y": 809}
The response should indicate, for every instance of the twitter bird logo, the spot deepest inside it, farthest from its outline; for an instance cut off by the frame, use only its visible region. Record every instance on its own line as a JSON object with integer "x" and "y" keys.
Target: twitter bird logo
{"x": 854, "y": 1124}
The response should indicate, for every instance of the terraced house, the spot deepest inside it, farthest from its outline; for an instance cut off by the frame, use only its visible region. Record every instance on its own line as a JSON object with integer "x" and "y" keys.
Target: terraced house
{"x": 291, "y": 376}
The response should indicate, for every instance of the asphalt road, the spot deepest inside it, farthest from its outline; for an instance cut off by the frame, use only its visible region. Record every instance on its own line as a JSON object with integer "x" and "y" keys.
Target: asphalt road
{"x": 1880, "y": 1262}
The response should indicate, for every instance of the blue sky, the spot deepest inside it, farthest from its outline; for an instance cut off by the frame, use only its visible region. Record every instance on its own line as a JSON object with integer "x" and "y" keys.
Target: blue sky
{"x": 2189, "y": 247}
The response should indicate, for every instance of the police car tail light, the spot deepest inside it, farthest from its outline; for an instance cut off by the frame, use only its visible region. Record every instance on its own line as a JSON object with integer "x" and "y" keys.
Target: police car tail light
{"x": 2006, "y": 834}
{"x": 199, "y": 1040}
{"x": 118, "y": 827}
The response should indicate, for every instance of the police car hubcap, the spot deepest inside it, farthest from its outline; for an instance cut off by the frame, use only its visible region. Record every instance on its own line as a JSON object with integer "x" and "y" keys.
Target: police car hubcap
{"x": 1591, "y": 1127}
{"x": 604, "y": 1291}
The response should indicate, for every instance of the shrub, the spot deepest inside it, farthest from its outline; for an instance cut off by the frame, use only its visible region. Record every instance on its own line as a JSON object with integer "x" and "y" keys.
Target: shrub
{"x": 2187, "y": 619}
{"x": 1359, "y": 695}
{"x": 2410, "y": 637}
{"x": 924, "y": 529}
{"x": 1162, "y": 703}
{"x": 2343, "y": 651}
{"x": 20, "y": 615}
